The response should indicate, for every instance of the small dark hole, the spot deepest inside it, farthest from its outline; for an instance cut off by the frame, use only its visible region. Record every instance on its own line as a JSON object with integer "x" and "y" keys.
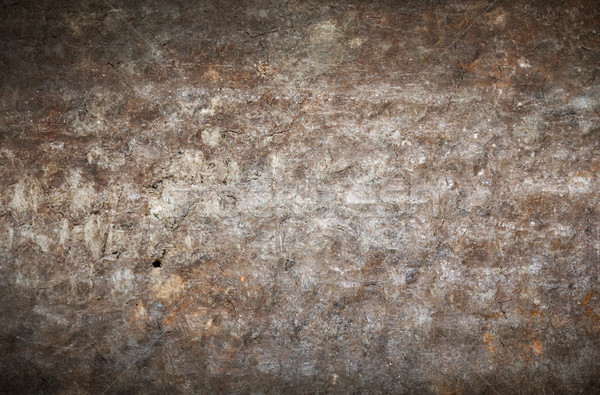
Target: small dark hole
{"x": 157, "y": 263}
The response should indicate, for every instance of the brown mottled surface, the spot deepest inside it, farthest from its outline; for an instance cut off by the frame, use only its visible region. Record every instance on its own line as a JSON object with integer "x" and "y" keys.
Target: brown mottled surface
{"x": 342, "y": 197}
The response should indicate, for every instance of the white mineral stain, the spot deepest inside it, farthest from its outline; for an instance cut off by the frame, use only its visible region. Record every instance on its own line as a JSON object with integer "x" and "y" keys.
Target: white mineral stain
{"x": 63, "y": 235}
{"x": 95, "y": 233}
{"x": 122, "y": 282}
{"x": 25, "y": 197}
{"x": 584, "y": 103}
{"x": 82, "y": 192}
{"x": 523, "y": 63}
{"x": 360, "y": 194}
{"x": 51, "y": 316}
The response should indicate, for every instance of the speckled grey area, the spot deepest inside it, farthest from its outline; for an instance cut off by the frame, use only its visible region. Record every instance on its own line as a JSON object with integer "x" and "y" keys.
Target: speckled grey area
{"x": 269, "y": 197}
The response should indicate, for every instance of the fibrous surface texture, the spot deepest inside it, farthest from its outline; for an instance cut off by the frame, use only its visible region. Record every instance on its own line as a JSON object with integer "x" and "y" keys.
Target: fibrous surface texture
{"x": 283, "y": 197}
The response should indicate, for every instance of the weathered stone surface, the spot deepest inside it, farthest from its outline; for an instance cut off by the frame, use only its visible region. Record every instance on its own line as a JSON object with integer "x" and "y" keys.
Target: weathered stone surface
{"x": 300, "y": 197}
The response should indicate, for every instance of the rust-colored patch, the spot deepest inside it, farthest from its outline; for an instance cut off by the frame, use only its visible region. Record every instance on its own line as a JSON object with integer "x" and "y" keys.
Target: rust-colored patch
{"x": 587, "y": 298}
{"x": 537, "y": 313}
{"x": 488, "y": 338}
{"x": 538, "y": 348}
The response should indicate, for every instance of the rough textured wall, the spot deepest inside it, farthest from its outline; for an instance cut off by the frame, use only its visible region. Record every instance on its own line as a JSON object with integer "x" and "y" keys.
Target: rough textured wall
{"x": 280, "y": 196}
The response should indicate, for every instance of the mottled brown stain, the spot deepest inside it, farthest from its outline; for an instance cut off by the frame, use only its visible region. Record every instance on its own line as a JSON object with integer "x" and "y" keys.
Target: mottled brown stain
{"x": 537, "y": 313}
{"x": 488, "y": 338}
{"x": 450, "y": 389}
{"x": 538, "y": 347}
{"x": 587, "y": 298}
{"x": 482, "y": 116}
